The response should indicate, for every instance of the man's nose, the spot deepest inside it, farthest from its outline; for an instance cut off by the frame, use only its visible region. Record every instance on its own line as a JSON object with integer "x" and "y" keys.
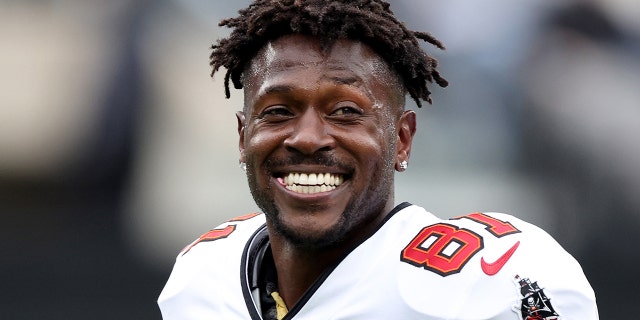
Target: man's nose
{"x": 310, "y": 134}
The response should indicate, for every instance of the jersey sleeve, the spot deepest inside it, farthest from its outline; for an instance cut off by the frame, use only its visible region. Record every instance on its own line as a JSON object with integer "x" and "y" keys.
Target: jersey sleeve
{"x": 205, "y": 280}
{"x": 492, "y": 266}
{"x": 548, "y": 281}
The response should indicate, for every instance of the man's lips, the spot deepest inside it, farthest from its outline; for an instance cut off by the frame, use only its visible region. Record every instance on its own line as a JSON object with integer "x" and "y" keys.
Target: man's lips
{"x": 311, "y": 182}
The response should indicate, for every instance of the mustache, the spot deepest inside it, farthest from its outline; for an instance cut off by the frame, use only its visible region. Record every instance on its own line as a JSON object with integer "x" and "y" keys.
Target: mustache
{"x": 300, "y": 159}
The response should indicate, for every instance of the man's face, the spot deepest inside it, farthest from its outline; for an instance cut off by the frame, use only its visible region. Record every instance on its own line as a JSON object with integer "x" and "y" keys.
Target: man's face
{"x": 321, "y": 134}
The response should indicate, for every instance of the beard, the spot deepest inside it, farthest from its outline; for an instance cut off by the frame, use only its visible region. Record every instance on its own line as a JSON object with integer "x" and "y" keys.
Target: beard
{"x": 327, "y": 239}
{"x": 362, "y": 207}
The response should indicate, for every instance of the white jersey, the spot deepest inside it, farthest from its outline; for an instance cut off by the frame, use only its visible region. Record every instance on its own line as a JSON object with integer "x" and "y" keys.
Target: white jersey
{"x": 415, "y": 266}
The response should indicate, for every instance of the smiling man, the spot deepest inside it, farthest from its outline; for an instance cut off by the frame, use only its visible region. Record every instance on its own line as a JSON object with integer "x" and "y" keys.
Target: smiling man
{"x": 321, "y": 133}
{"x": 313, "y": 113}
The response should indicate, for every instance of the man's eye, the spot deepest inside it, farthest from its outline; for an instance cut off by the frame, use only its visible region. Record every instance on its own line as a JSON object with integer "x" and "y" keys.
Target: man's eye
{"x": 276, "y": 111}
{"x": 346, "y": 110}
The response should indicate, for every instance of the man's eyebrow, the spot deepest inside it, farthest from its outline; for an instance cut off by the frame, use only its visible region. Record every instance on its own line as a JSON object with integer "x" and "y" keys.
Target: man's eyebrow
{"x": 347, "y": 80}
{"x": 279, "y": 88}
{"x": 285, "y": 88}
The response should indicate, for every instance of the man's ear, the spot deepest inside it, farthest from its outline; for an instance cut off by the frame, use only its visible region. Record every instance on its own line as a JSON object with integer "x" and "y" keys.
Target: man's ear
{"x": 241, "y": 124}
{"x": 406, "y": 131}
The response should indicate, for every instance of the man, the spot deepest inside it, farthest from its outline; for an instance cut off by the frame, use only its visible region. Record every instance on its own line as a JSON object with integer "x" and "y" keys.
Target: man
{"x": 322, "y": 130}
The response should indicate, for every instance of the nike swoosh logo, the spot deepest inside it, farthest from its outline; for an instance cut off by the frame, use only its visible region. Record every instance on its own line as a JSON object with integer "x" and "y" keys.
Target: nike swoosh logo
{"x": 494, "y": 267}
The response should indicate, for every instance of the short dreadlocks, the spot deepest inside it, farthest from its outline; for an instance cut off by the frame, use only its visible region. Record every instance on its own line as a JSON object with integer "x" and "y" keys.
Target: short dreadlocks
{"x": 368, "y": 21}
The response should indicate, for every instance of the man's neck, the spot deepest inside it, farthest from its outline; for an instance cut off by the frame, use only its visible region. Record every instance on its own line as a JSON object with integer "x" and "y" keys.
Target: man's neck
{"x": 298, "y": 268}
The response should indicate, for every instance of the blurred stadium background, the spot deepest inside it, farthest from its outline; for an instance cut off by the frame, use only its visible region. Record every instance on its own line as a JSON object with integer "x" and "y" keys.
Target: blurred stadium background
{"x": 117, "y": 148}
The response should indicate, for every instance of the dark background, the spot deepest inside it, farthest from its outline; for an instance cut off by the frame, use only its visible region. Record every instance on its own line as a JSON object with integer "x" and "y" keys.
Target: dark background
{"x": 117, "y": 149}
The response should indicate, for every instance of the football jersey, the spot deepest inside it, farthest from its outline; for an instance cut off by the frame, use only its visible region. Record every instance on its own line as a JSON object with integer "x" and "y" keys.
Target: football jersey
{"x": 415, "y": 266}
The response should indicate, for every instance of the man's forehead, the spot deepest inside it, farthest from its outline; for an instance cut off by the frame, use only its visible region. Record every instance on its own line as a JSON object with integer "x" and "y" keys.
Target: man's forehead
{"x": 341, "y": 57}
{"x": 292, "y": 50}
{"x": 281, "y": 62}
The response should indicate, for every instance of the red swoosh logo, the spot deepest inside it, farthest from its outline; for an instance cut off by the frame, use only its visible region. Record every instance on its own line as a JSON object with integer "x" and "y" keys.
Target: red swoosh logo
{"x": 494, "y": 267}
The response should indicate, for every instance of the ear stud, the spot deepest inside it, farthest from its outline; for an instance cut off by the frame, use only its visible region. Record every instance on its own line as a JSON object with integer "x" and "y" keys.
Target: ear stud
{"x": 404, "y": 165}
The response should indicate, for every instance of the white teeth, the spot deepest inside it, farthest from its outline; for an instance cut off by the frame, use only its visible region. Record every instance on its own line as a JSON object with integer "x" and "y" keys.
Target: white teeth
{"x": 312, "y": 182}
{"x": 320, "y": 179}
{"x": 310, "y": 189}
{"x": 313, "y": 179}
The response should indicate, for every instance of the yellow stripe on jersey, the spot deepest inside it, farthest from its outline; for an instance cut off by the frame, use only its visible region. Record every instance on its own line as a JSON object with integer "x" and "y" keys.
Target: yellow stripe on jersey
{"x": 281, "y": 307}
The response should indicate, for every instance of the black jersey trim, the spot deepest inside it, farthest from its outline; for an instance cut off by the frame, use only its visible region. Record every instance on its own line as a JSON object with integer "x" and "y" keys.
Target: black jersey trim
{"x": 250, "y": 266}
{"x": 392, "y": 213}
{"x": 252, "y": 259}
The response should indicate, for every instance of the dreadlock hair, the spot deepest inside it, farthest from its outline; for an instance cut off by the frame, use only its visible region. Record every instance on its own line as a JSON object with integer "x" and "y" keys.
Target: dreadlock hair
{"x": 367, "y": 21}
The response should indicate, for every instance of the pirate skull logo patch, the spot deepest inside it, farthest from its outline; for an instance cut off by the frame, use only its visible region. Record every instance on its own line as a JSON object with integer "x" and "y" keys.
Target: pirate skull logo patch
{"x": 535, "y": 305}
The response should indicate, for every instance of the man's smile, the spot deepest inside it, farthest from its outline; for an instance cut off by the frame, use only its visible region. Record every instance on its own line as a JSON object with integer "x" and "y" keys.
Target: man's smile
{"x": 311, "y": 182}
{"x": 320, "y": 133}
